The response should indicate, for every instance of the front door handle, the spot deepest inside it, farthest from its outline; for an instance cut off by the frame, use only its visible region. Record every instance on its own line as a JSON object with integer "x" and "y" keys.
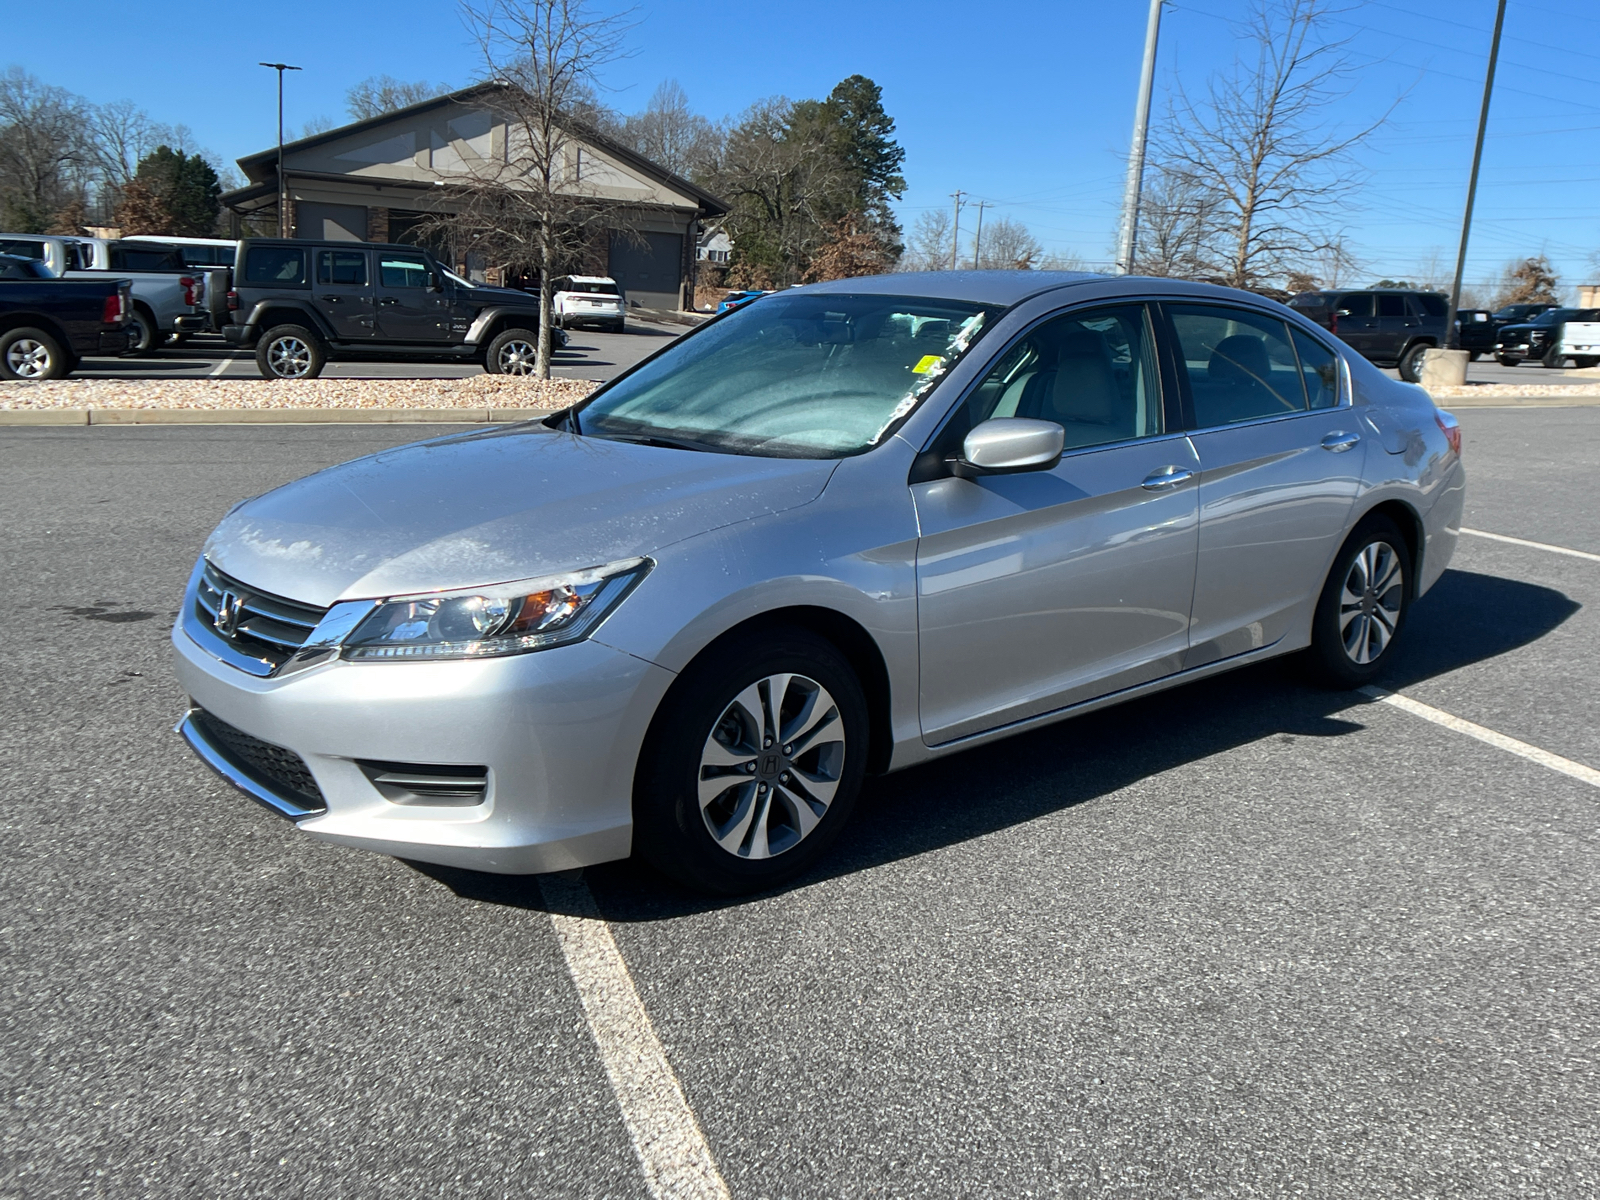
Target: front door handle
{"x": 1166, "y": 477}
{"x": 330, "y": 300}
{"x": 388, "y": 300}
{"x": 1340, "y": 442}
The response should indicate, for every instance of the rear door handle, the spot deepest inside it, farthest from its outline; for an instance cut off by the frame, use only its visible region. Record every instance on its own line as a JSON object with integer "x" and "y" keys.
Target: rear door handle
{"x": 1340, "y": 442}
{"x": 1166, "y": 477}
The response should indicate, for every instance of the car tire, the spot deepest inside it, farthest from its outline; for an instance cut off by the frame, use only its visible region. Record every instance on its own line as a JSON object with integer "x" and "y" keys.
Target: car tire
{"x": 1586, "y": 363}
{"x": 1361, "y": 613}
{"x": 32, "y": 354}
{"x": 1506, "y": 362}
{"x": 1474, "y": 355}
{"x": 144, "y": 336}
{"x": 1553, "y": 359}
{"x": 1410, "y": 364}
{"x": 290, "y": 352}
{"x": 778, "y": 813}
{"x": 620, "y": 326}
{"x": 512, "y": 352}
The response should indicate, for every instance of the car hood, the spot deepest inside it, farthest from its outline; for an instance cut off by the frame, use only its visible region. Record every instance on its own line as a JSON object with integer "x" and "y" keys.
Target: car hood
{"x": 492, "y": 507}
{"x": 483, "y": 293}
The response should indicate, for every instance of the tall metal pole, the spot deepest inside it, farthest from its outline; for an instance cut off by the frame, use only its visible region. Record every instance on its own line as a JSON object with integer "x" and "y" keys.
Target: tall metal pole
{"x": 1450, "y": 333}
{"x": 977, "y": 242}
{"x": 955, "y": 232}
{"x": 1128, "y": 235}
{"x": 283, "y": 190}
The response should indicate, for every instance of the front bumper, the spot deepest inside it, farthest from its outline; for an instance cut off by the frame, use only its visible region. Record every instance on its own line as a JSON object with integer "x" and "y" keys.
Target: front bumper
{"x": 1518, "y": 353}
{"x": 559, "y": 732}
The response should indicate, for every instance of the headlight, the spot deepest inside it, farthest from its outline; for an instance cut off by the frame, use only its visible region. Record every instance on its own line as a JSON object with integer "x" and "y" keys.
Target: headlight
{"x": 487, "y": 622}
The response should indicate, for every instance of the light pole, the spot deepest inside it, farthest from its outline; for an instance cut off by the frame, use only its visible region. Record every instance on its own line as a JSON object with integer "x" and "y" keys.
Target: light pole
{"x": 955, "y": 233}
{"x": 1128, "y": 235}
{"x": 1451, "y": 337}
{"x": 283, "y": 191}
{"x": 977, "y": 242}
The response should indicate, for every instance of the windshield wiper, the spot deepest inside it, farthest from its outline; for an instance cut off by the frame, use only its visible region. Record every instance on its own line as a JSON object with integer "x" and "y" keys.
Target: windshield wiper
{"x": 640, "y": 439}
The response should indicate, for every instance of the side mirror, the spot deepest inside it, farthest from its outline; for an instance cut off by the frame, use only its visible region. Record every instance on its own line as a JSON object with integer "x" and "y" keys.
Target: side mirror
{"x": 1009, "y": 445}
{"x": 1341, "y": 312}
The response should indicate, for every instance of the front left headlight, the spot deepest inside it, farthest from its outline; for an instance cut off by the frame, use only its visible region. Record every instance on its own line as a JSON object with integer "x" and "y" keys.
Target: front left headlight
{"x": 488, "y": 622}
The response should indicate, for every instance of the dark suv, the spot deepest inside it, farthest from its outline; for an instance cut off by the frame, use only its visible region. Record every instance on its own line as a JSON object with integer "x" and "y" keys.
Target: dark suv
{"x": 301, "y": 303}
{"x": 1386, "y": 326}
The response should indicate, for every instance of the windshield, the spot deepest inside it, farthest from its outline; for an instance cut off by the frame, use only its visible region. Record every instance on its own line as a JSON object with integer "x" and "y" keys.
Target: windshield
{"x": 796, "y": 376}
{"x": 456, "y": 279}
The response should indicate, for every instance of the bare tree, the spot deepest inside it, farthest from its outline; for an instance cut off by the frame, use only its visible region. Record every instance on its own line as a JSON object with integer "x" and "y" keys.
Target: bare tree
{"x": 669, "y": 132}
{"x": 1177, "y": 225}
{"x": 379, "y": 94}
{"x": 46, "y": 161}
{"x": 532, "y": 208}
{"x": 122, "y": 134}
{"x": 1259, "y": 143}
{"x": 928, "y": 248}
{"x": 1008, "y": 245}
{"x": 1063, "y": 260}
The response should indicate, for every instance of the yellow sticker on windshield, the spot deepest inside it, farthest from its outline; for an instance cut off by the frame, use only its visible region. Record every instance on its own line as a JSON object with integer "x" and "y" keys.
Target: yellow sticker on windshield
{"x": 926, "y": 363}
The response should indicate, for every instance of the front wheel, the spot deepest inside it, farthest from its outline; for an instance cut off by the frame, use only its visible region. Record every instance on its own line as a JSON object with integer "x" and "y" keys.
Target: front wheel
{"x": 290, "y": 352}
{"x": 1362, "y": 610}
{"x": 1506, "y": 362}
{"x": 753, "y": 763}
{"x": 514, "y": 352}
{"x": 1411, "y": 363}
{"x": 1474, "y": 355}
{"x": 32, "y": 354}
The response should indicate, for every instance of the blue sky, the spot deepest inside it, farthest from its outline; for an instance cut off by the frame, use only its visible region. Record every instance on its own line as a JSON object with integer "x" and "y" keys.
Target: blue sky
{"x": 1027, "y": 103}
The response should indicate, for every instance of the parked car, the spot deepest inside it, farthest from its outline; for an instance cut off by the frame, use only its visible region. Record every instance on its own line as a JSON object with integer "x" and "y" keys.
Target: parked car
{"x": 1538, "y": 340}
{"x": 47, "y": 324}
{"x": 855, "y": 527}
{"x": 299, "y": 304}
{"x": 1519, "y": 314}
{"x": 1387, "y": 326}
{"x": 589, "y": 300}
{"x": 737, "y": 298}
{"x": 195, "y": 252}
{"x": 168, "y": 298}
{"x": 1580, "y": 341}
{"x": 1475, "y": 332}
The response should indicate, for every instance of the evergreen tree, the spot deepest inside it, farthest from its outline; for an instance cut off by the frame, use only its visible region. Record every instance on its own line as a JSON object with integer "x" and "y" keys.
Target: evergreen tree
{"x": 186, "y": 188}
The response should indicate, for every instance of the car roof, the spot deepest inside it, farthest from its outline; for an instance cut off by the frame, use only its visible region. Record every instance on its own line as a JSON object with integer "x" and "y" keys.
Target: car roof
{"x": 979, "y": 287}
{"x": 180, "y": 241}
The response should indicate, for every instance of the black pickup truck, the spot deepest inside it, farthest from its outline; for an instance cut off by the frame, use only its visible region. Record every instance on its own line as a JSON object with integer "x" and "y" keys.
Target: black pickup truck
{"x": 299, "y": 304}
{"x": 47, "y": 324}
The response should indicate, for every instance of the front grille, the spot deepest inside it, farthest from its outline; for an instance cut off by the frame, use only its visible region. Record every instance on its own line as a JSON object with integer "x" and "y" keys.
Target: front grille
{"x": 268, "y": 626}
{"x": 272, "y": 766}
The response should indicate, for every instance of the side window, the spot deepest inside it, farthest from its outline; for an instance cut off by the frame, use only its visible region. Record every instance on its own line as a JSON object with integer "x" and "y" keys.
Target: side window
{"x": 344, "y": 267}
{"x": 404, "y": 270}
{"x": 1431, "y": 304}
{"x": 1092, "y": 372}
{"x": 278, "y": 266}
{"x": 1240, "y": 364}
{"x": 1391, "y": 304}
{"x": 1357, "y": 304}
{"x": 1319, "y": 367}
{"x": 22, "y": 248}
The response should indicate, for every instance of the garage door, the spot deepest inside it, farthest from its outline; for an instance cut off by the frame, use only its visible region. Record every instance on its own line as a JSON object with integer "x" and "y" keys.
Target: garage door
{"x": 649, "y": 267}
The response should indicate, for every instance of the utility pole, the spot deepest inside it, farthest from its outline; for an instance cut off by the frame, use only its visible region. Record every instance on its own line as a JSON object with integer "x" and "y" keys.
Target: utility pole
{"x": 1451, "y": 337}
{"x": 1128, "y": 235}
{"x": 977, "y": 242}
{"x": 283, "y": 190}
{"x": 955, "y": 231}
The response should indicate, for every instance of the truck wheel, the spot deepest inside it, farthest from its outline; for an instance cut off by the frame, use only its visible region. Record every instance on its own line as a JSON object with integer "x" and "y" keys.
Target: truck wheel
{"x": 1586, "y": 363}
{"x": 1474, "y": 355}
{"x": 145, "y": 336}
{"x": 290, "y": 352}
{"x": 1553, "y": 360}
{"x": 512, "y": 352}
{"x": 1411, "y": 363}
{"x": 1506, "y": 362}
{"x": 32, "y": 354}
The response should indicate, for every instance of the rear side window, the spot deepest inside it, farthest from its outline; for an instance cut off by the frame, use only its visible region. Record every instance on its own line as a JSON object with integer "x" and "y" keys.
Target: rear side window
{"x": 1240, "y": 365}
{"x": 1319, "y": 369}
{"x": 280, "y": 266}
{"x": 1432, "y": 305}
{"x": 347, "y": 267}
{"x": 1356, "y": 304}
{"x": 1391, "y": 305}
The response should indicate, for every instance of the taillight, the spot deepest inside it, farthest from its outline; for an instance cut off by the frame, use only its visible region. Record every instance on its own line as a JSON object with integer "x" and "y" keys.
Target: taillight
{"x": 233, "y": 300}
{"x": 111, "y": 314}
{"x": 188, "y": 286}
{"x": 1450, "y": 427}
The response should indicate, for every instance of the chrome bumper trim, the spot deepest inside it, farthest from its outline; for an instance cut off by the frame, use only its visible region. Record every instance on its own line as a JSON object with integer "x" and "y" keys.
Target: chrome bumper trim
{"x": 214, "y": 758}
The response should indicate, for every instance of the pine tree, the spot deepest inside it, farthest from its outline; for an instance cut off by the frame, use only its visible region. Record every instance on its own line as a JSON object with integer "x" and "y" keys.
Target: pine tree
{"x": 186, "y": 187}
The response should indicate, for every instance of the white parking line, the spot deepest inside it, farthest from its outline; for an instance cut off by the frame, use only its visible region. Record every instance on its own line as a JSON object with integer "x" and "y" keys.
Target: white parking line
{"x": 221, "y": 367}
{"x": 1500, "y": 741}
{"x": 1515, "y": 541}
{"x": 673, "y": 1152}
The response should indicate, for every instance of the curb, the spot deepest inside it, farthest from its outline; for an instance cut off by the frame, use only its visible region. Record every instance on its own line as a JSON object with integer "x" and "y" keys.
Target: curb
{"x": 270, "y": 416}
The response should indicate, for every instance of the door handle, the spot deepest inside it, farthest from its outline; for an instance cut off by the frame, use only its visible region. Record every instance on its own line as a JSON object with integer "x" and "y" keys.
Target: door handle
{"x": 330, "y": 300}
{"x": 1340, "y": 442}
{"x": 388, "y": 300}
{"x": 1165, "y": 478}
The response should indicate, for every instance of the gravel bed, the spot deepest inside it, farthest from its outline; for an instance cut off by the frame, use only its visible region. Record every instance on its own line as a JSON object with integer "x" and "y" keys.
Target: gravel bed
{"x": 1487, "y": 391}
{"x": 475, "y": 391}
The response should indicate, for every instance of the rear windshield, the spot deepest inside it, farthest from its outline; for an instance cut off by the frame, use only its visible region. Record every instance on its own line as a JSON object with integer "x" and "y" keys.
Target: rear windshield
{"x": 23, "y": 268}
{"x": 143, "y": 258}
{"x": 279, "y": 266}
{"x": 597, "y": 289}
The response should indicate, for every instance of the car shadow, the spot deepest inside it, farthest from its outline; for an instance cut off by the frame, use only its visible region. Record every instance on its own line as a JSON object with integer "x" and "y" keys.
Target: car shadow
{"x": 1467, "y": 618}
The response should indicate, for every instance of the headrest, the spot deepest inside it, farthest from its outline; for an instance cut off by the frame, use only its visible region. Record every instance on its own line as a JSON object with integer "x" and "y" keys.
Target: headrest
{"x": 1240, "y": 360}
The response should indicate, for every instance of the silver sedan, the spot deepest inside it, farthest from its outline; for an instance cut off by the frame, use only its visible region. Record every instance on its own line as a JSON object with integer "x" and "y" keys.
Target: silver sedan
{"x": 836, "y": 532}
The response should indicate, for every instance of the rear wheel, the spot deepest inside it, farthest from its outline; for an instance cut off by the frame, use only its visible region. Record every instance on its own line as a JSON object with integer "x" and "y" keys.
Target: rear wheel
{"x": 32, "y": 354}
{"x": 144, "y": 336}
{"x": 1411, "y": 363}
{"x": 1362, "y": 610}
{"x": 1586, "y": 362}
{"x": 753, "y": 763}
{"x": 290, "y": 352}
{"x": 1505, "y": 362}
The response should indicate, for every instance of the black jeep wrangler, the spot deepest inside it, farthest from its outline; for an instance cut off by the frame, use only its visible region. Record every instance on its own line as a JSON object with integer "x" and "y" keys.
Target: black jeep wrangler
{"x": 300, "y": 303}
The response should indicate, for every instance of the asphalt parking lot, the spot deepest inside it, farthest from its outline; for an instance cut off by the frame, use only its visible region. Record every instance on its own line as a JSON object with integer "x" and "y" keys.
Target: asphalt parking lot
{"x": 1245, "y": 938}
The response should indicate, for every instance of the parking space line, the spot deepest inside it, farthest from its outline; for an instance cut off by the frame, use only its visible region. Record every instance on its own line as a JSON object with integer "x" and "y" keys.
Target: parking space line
{"x": 221, "y": 367}
{"x": 672, "y": 1150}
{"x": 1516, "y": 541}
{"x": 1500, "y": 741}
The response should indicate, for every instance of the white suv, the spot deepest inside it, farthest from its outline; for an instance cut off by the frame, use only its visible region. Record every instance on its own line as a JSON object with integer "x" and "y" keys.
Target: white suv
{"x": 588, "y": 300}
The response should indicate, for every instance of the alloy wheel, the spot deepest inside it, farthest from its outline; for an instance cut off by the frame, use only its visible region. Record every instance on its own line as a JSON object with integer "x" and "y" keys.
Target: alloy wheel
{"x": 771, "y": 766}
{"x": 1370, "y": 601}
{"x": 28, "y": 358}
{"x": 518, "y": 358}
{"x": 289, "y": 357}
